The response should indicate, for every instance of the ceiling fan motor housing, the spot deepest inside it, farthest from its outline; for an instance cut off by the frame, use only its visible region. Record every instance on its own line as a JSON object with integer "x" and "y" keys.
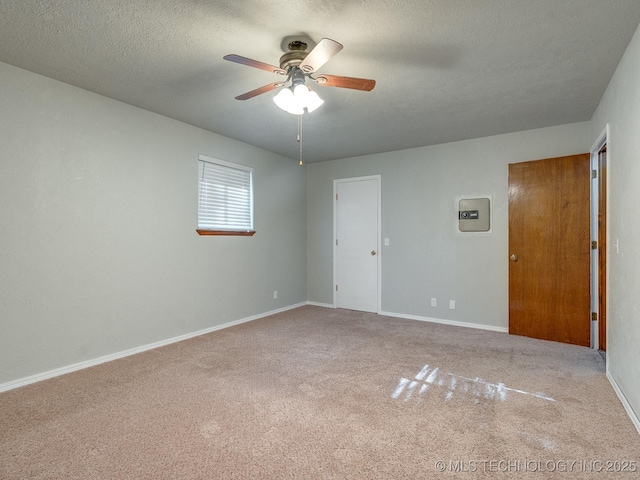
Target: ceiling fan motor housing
{"x": 294, "y": 57}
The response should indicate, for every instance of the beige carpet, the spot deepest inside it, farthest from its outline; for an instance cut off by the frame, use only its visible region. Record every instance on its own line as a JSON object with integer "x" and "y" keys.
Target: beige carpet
{"x": 317, "y": 393}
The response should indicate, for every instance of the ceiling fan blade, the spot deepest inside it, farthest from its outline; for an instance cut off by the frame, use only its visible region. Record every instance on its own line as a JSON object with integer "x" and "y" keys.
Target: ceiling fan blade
{"x": 321, "y": 54}
{"x": 346, "y": 82}
{"x": 254, "y": 63}
{"x": 259, "y": 91}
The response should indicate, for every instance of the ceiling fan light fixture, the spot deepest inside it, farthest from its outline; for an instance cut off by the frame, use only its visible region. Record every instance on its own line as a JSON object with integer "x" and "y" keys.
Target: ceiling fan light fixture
{"x": 296, "y": 98}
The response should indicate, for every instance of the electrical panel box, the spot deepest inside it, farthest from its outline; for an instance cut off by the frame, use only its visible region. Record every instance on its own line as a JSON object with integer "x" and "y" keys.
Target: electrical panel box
{"x": 474, "y": 215}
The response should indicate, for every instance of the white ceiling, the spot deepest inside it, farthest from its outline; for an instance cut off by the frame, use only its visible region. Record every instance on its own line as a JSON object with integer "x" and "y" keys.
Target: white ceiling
{"x": 446, "y": 70}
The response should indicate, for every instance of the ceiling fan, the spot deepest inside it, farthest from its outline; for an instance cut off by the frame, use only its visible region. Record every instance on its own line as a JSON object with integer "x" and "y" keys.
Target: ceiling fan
{"x": 297, "y": 65}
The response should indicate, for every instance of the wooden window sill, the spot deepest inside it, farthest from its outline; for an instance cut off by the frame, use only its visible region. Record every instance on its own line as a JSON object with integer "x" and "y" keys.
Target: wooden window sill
{"x": 245, "y": 233}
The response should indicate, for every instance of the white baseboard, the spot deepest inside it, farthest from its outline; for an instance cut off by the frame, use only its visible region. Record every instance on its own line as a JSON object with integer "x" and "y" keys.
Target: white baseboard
{"x": 429, "y": 319}
{"x": 632, "y": 415}
{"x": 21, "y": 382}
{"x": 447, "y": 322}
{"x": 318, "y": 304}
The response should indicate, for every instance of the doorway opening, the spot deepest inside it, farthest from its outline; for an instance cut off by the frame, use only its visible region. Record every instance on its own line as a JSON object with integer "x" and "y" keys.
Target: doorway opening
{"x": 599, "y": 241}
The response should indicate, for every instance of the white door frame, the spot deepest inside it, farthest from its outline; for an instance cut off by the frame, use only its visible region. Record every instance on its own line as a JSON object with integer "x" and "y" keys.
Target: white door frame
{"x": 378, "y": 178}
{"x": 603, "y": 139}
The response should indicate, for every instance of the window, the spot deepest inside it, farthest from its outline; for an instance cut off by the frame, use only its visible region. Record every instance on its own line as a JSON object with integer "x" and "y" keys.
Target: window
{"x": 225, "y": 198}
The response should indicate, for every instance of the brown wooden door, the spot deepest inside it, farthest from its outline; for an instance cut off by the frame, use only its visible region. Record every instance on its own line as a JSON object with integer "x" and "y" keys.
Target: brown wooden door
{"x": 549, "y": 248}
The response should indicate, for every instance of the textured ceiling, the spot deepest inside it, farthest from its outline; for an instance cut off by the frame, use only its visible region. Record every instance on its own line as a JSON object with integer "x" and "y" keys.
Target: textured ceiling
{"x": 446, "y": 70}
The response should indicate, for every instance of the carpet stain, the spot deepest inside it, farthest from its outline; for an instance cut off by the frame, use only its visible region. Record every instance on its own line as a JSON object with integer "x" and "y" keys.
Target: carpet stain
{"x": 535, "y": 441}
{"x": 210, "y": 430}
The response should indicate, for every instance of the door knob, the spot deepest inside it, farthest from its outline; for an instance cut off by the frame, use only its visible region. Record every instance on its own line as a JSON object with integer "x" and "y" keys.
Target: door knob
{"x": 513, "y": 258}
{"x": 373, "y": 252}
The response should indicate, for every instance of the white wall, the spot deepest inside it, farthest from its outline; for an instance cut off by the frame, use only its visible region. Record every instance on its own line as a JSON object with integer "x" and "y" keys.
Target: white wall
{"x": 98, "y": 249}
{"x": 620, "y": 106}
{"x": 427, "y": 256}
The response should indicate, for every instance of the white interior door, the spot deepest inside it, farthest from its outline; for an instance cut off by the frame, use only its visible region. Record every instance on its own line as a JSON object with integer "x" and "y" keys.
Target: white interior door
{"x": 357, "y": 243}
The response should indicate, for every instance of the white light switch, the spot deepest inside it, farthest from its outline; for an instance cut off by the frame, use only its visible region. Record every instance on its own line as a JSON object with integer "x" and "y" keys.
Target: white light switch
{"x": 434, "y": 302}
{"x": 452, "y": 304}
{"x": 386, "y": 242}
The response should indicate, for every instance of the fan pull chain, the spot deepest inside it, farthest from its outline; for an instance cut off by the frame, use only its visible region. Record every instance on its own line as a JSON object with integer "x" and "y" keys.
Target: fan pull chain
{"x": 300, "y": 136}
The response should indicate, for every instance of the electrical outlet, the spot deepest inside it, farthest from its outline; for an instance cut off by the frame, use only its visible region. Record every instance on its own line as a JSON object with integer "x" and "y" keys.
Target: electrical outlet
{"x": 452, "y": 304}
{"x": 275, "y": 294}
{"x": 434, "y": 302}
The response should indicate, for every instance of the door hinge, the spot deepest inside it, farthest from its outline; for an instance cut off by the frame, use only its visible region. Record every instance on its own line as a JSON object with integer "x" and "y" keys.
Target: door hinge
{"x": 336, "y": 242}
{"x": 336, "y": 196}
{"x": 594, "y": 245}
{"x": 336, "y": 287}
{"x": 594, "y": 174}
{"x": 594, "y": 316}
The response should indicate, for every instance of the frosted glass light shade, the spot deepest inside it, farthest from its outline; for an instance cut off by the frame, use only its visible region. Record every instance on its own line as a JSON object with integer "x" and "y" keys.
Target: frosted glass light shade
{"x": 300, "y": 93}
{"x": 284, "y": 99}
{"x": 313, "y": 101}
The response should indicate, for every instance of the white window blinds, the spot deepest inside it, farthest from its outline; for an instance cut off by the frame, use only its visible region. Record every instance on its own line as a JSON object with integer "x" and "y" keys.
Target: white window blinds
{"x": 225, "y": 195}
